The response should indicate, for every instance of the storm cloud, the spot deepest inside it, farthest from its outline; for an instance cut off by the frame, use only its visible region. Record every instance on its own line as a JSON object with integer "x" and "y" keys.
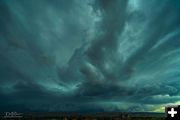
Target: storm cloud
{"x": 89, "y": 55}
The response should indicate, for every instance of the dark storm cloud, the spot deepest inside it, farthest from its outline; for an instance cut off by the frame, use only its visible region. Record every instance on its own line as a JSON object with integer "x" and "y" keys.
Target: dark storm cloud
{"x": 88, "y": 55}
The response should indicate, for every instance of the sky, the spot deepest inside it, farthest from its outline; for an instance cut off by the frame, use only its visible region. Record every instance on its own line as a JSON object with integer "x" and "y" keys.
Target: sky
{"x": 89, "y": 55}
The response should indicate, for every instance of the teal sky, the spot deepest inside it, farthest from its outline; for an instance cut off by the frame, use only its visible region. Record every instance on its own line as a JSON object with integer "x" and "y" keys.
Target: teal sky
{"x": 89, "y": 55}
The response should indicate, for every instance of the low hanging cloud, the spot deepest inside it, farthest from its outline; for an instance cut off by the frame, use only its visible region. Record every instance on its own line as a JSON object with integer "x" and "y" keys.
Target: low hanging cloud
{"x": 89, "y": 55}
